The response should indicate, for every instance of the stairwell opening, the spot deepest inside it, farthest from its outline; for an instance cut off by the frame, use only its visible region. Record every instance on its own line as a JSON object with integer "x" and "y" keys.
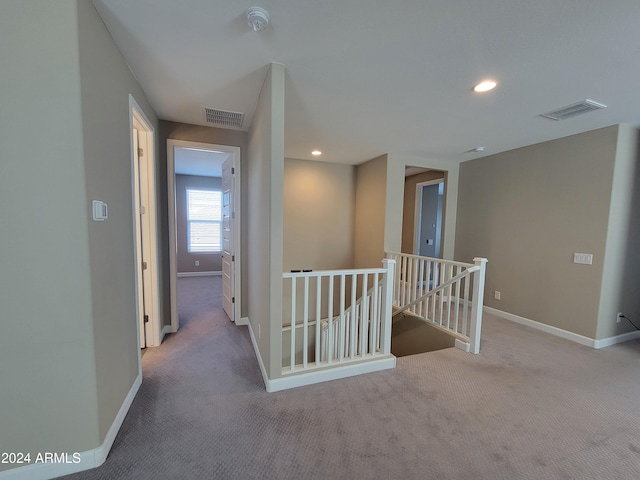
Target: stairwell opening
{"x": 411, "y": 335}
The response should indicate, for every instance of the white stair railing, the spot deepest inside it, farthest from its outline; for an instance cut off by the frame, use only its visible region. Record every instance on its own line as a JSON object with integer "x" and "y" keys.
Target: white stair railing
{"x": 357, "y": 326}
{"x": 445, "y": 293}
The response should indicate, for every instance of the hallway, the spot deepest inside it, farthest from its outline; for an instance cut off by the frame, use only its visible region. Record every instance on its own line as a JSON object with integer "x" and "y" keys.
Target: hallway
{"x": 530, "y": 406}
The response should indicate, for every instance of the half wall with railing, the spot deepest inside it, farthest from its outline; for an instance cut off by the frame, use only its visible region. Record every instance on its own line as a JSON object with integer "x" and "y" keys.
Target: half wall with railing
{"x": 445, "y": 293}
{"x": 337, "y": 318}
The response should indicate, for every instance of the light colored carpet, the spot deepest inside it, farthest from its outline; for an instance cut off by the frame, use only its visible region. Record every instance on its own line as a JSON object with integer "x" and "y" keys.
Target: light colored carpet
{"x": 530, "y": 406}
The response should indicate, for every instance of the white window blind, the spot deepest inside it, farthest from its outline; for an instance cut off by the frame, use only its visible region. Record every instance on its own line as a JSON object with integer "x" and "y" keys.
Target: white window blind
{"x": 204, "y": 220}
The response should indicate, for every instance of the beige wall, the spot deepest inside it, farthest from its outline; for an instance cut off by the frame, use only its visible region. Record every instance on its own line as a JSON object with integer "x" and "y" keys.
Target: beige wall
{"x": 396, "y": 165}
{"x": 264, "y": 209}
{"x": 209, "y": 262}
{"x": 528, "y": 211}
{"x": 106, "y": 83}
{"x": 370, "y": 214}
{"x": 69, "y": 349}
{"x": 217, "y": 136}
{"x": 319, "y": 203}
{"x": 318, "y": 225}
{"x": 621, "y": 270}
{"x": 48, "y": 395}
{"x": 380, "y": 206}
{"x": 409, "y": 209}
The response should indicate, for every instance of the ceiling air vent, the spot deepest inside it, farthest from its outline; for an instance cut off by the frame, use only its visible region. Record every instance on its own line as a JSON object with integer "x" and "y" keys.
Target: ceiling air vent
{"x": 222, "y": 117}
{"x": 569, "y": 111}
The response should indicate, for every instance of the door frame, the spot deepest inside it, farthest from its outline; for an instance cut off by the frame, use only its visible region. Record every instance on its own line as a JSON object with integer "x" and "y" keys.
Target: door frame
{"x": 172, "y": 144}
{"x": 417, "y": 221}
{"x": 154, "y": 331}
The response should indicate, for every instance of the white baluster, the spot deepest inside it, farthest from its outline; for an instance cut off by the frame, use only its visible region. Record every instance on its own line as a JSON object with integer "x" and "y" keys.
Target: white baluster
{"x": 318, "y": 315}
{"x": 476, "y": 308}
{"x": 385, "y": 310}
{"x": 293, "y": 323}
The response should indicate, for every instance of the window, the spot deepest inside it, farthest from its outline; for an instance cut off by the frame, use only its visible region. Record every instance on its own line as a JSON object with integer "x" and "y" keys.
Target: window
{"x": 204, "y": 220}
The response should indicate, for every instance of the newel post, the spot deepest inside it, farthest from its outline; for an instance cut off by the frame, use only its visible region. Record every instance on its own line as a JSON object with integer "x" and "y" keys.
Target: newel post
{"x": 476, "y": 304}
{"x": 387, "y": 302}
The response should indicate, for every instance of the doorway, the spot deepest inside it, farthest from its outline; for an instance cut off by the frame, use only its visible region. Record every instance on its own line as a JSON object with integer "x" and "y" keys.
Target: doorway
{"x": 428, "y": 219}
{"x": 204, "y": 245}
{"x": 425, "y": 219}
{"x": 150, "y": 331}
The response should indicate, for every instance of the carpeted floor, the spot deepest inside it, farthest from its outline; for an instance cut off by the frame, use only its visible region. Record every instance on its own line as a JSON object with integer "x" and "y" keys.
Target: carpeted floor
{"x": 530, "y": 406}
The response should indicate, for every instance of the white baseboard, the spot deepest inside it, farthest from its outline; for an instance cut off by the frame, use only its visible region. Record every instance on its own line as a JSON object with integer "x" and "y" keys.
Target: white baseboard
{"x": 166, "y": 329}
{"x": 87, "y": 460}
{"x": 317, "y": 376}
{"x": 624, "y": 337}
{"x": 265, "y": 377}
{"x": 243, "y": 321}
{"x": 199, "y": 274}
{"x": 574, "y": 337}
{"x": 462, "y": 345}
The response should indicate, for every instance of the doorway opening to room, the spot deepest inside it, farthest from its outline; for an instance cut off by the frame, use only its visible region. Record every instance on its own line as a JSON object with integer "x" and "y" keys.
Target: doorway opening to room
{"x": 422, "y": 234}
{"x": 428, "y": 219}
{"x": 424, "y": 213}
{"x": 204, "y": 229}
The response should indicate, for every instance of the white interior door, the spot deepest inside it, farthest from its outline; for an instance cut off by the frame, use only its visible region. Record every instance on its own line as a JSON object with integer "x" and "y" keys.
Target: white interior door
{"x": 150, "y": 329}
{"x": 146, "y": 234}
{"x": 136, "y": 171}
{"x": 228, "y": 253}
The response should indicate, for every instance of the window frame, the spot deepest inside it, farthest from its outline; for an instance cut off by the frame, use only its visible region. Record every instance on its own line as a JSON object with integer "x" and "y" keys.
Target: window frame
{"x": 203, "y": 221}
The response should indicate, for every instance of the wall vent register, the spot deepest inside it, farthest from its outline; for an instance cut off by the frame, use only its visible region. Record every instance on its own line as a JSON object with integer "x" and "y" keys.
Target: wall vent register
{"x": 223, "y": 118}
{"x": 573, "y": 110}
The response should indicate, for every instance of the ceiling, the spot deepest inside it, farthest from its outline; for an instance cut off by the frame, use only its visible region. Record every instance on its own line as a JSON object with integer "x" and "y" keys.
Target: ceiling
{"x": 368, "y": 77}
{"x": 197, "y": 161}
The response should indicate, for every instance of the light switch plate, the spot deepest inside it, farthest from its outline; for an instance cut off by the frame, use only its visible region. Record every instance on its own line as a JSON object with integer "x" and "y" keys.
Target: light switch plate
{"x": 100, "y": 212}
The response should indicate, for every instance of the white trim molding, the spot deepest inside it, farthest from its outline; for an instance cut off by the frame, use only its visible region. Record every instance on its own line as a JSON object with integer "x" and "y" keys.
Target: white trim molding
{"x": 385, "y": 362}
{"x": 265, "y": 377}
{"x": 558, "y": 332}
{"x": 166, "y": 329}
{"x": 464, "y": 346}
{"x": 624, "y": 337}
{"x": 87, "y": 460}
{"x": 199, "y": 274}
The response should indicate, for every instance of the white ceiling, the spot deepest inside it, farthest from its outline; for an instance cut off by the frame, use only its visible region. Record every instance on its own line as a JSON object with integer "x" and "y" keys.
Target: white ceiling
{"x": 367, "y": 77}
{"x": 196, "y": 161}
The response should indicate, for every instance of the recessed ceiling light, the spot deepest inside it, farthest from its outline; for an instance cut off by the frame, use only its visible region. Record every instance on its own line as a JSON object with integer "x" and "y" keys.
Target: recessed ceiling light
{"x": 316, "y": 153}
{"x": 484, "y": 86}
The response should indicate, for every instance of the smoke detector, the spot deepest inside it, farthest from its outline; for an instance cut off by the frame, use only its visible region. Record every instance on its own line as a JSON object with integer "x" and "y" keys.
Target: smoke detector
{"x": 258, "y": 18}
